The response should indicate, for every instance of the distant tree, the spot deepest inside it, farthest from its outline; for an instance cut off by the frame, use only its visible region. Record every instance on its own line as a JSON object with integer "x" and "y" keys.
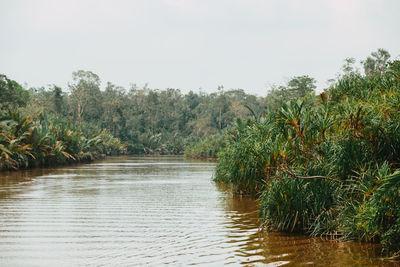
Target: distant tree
{"x": 348, "y": 66}
{"x": 297, "y": 87}
{"x": 376, "y": 63}
{"x": 192, "y": 100}
{"x": 12, "y": 94}
{"x": 300, "y": 86}
{"x": 115, "y": 107}
{"x": 86, "y": 95}
{"x": 58, "y": 99}
{"x": 221, "y": 105}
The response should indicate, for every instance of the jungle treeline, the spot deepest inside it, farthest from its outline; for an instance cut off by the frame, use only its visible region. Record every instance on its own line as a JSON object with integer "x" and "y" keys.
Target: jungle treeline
{"x": 50, "y": 125}
{"x": 326, "y": 164}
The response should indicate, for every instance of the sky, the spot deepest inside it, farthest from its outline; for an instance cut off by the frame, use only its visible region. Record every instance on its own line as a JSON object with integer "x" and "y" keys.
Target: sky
{"x": 191, "y": 44}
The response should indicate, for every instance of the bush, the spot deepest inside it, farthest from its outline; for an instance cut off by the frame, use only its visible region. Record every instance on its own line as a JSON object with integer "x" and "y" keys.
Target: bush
{"x": 328, "y": 165}
{"x": 26, "y": 143}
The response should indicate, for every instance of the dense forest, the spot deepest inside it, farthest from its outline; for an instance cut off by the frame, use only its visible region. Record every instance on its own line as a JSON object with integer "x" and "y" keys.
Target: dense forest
{"x": 327, "y": 164}
{"x": 147, "y": 120}
{"x": 138, "y": 120}
{"x": 50, "y": 125}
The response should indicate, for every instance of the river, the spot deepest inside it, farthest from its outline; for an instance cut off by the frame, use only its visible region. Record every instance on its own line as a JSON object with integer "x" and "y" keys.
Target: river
{"x": 147, "y": 211}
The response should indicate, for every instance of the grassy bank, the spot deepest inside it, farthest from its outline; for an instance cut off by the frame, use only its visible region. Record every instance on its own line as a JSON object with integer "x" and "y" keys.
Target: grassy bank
{"x": 325, "y": 164}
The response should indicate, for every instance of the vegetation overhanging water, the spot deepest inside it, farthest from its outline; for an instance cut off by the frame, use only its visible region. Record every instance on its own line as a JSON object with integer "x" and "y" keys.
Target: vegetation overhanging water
{"x": 148, "y": 211}
{"x": 326, "y": 166}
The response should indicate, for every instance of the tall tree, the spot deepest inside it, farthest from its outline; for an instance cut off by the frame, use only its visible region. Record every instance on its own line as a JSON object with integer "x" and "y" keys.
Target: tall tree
{"x": 376, "y": 63}
{"x": 11, "y": 93}
{"x": 58, "y": 100}
{"x": 348, "y": 66}
{"x": 86, "y": 95}
{"x": 300, "y": 86}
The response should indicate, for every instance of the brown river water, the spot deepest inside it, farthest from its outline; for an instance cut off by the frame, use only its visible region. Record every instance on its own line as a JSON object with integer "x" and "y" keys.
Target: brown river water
{"x": 148, "y": 211}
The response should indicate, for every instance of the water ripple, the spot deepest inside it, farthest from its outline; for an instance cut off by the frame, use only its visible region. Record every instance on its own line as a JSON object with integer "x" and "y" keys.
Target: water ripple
{"x": 134, "y": 211}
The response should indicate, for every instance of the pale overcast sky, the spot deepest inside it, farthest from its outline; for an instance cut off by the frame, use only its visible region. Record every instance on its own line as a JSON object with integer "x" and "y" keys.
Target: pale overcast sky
{"x": 191, "y": 44}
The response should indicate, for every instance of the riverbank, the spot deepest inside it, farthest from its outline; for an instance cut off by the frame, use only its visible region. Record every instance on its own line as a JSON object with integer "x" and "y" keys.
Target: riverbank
{"x": 27, "y": 143}
{"x": 326, "y": 164}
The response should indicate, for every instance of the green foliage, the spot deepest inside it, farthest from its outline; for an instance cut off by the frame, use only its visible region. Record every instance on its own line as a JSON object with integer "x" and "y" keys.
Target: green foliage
{"x": 27, "y": 143}
{"x": 298, "y": 205}
{"x": 373, "y": 211}
{"x": 327, "y": 165}
{"x": 206, "y": 148}
{"x": 297, "y": 87}
{"x": 86, "y": 95}
{"x": 376, "y": 63}
{"x": 150, "y": 121}
{"x": 11, "y": 93}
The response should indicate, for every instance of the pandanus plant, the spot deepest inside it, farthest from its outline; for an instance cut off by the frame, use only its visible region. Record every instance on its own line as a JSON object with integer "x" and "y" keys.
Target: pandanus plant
{"x": 6, "y": 155}
{"x": 314, "y": 165}
{"x": 25, "y": 143}
{"x": 14, "y": 130}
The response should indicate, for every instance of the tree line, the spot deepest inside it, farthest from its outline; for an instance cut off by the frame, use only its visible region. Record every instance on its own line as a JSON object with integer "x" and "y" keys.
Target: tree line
{"x": 146, "y": 120}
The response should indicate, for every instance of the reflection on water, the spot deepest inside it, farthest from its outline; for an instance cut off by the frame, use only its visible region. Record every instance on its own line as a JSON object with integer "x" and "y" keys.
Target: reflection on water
{"x": 127, "y": 211}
